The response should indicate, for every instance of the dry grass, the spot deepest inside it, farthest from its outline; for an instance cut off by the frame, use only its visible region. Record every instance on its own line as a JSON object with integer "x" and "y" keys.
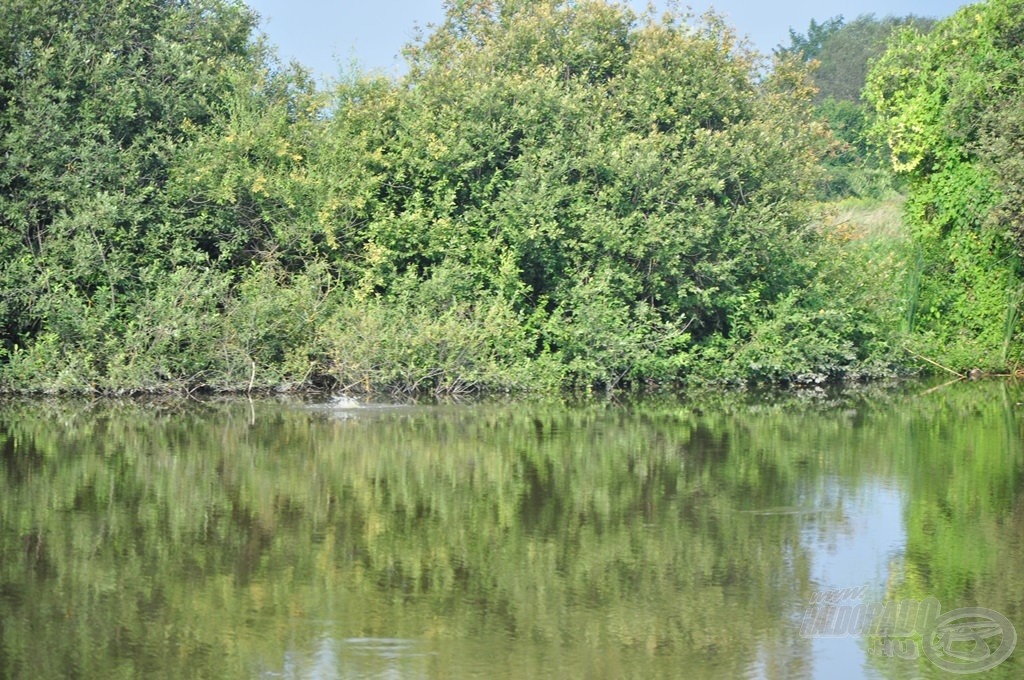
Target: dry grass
{"x": 868, "y": 219}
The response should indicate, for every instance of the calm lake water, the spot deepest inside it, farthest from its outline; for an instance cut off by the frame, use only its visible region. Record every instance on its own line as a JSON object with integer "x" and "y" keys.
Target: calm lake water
{"x": 668, "y": 539}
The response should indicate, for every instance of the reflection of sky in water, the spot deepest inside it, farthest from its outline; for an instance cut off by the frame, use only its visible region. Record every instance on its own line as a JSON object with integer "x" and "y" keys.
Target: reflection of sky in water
{"x": 860, "y": 551}
{"x": 851, "y": 544}
{"x": 858, "y": 556}
{"x": 363, "y": 658}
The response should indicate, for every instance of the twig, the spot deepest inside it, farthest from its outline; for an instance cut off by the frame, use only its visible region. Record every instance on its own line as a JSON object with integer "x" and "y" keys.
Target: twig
{"x": 252, "y": 376}
{"x": 936, "y": 363}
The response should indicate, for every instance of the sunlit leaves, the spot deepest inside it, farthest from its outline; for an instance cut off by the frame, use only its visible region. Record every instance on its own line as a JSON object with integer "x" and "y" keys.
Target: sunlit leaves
{"x": 570, "y": 175}
{"x": 98, "y": 100}
{"x": 940, "y": 102}
{"x": 590, "y": 144}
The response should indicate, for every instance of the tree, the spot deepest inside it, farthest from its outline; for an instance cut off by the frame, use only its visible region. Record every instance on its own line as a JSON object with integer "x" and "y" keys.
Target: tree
{"x": 558, "y": 192}
{"x": 97, "y": 100}
{"x": 625, "y": 181}
{"x": 946, "y": 106}
{"x": 844, "y": 50}
{"x": 810, "y": 45}
{"x": 841, "y": 53}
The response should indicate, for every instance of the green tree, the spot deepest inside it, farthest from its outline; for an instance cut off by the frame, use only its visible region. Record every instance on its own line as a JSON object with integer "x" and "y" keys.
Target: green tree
{"x": 625, "y": 182}
{"x": 97, "y": 98}
{"x": 946, "y": 104}
{"x": 810, "y": 45}
{"x": 151, "y": 154}
{"x": 242, "y": 189}
{"x": 557, "y": 193}
{"x": 844, "y": 50}
{"x": 841, "y": 53}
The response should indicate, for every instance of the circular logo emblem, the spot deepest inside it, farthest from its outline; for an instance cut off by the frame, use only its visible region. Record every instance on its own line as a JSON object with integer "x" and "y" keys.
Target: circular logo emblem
{"x": 970, "y": 640}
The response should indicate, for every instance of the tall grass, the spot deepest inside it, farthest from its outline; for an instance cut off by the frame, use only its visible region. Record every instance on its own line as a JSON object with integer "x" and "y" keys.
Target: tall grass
{"x": 1013, "y": 303}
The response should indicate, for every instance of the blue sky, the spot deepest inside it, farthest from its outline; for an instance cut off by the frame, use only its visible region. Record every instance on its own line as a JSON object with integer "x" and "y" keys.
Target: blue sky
{"x": 323, "y": 34}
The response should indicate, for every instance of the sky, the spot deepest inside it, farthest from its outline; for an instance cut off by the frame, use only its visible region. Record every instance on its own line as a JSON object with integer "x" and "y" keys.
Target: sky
{"x": 329, "y": 36}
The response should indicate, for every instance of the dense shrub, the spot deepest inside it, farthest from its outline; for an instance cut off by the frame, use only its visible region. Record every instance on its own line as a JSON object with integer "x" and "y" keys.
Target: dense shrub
{"x": 557, "y": 194}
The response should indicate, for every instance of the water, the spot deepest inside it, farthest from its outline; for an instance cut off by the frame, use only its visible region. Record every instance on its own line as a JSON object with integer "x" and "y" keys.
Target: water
{"x": 655, "y": 540}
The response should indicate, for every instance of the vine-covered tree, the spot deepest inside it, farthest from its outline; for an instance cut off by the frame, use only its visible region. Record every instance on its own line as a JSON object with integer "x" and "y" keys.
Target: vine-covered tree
{"x": 947, "y": 106}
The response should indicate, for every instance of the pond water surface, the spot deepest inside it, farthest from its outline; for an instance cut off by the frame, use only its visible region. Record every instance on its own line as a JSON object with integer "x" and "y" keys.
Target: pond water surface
{"x": 754, "y": 537}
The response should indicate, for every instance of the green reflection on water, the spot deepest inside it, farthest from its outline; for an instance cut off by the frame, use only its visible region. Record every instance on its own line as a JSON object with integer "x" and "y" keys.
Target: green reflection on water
{"x": 534, "y": 540}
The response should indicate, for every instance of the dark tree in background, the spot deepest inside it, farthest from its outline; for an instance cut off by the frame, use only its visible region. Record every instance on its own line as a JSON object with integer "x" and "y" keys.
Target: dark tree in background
{"x": 841, "y": 53}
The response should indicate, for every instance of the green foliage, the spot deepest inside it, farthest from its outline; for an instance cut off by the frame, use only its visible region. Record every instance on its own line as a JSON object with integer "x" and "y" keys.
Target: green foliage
{"x": 844, "y": 323}
{"x": 243, "y": 189}
{"x": 855, "y": 168}
{"x": 558, "y": 193}
{"x": 438, "y": 336}
{"x": 810, "y": 45}
{"x": 938, "y": 99}
{"x": 843, "y": 51}
{"x": 96, "y": 99}
{"x": 841, "y": 54}
{"x": 635, "y": 188}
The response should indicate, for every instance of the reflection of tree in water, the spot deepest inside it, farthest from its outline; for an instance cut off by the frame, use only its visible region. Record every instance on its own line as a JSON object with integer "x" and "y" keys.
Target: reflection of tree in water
{"x": 965, "y": 511}
{"x": 591, "y": 540}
